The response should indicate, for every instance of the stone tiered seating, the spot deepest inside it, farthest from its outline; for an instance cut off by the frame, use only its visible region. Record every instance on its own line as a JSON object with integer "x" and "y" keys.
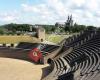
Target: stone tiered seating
{"x": 14, "y": 53}
{"x": 84, "y": 35}
{"x": 50, "y": 48}
{"x": 27, "y": 45}
{"x": 82, "y": 63}
{"x": 45, "y": 48}
{"x": 76, "y": 40}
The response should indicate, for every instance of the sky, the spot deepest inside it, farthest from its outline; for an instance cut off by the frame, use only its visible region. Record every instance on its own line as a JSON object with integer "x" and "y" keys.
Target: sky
{"x": 85, "y": 12}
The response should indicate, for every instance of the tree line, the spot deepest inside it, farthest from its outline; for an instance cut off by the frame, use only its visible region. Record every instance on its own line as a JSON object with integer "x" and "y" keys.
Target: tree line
{"x": 68, "y": 27}
{"x": 16, "y": 28}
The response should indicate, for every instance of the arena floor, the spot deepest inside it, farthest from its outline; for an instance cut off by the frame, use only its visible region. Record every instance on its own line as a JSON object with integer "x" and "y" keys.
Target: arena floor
{"x": 14, "y": 69}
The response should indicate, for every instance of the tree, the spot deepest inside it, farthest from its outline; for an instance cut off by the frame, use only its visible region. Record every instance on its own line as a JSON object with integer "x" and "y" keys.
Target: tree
{"x": 53, "y": 29}
{"x": 1, "y": 31}
{"x": 91, "y": 27}
{"x": 78, "y": 28}
{"x": 49, "y": 28}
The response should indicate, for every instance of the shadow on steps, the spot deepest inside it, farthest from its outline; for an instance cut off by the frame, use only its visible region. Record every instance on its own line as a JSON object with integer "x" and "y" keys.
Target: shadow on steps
{"x": 46, "y": 71}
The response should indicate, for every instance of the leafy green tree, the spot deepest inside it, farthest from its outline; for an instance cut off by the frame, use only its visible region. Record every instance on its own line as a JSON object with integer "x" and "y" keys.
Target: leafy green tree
{"x": 78, "y": 28}
{"x": 1, "y": 31}
{"x": 49, "y": 28}
{"x": 53, "y": 29}
{"x": 91, "y": 27}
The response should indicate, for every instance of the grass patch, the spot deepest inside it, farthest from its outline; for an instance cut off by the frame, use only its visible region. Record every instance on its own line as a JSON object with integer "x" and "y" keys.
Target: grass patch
{"x": 55, "y": 38}
{"x": 16, "y": 39}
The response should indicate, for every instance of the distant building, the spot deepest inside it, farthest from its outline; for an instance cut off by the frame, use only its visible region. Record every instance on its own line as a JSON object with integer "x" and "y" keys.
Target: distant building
{"x": 68, "y": 22}
{"x": 31, "y": 28}
{"x": 60, "y": 24}
{"x": 40, "y": 32}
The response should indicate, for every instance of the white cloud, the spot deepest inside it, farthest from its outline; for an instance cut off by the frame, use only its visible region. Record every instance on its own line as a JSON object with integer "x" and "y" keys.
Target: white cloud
{"x": 58, "y": 6}
{"x": 79, "y": 2}
{"x": 84, "y": 11}
{"x": 92, "y": 5}
{"x": 41, "y": 8}
{"x": 29, "y": 8}
{"x": 51, "y": 11}
{"x": 9, "y": 16}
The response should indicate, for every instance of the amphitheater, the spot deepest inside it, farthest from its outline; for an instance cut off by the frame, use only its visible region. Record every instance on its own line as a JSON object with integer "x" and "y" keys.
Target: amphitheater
{"x": 74, "y": 58}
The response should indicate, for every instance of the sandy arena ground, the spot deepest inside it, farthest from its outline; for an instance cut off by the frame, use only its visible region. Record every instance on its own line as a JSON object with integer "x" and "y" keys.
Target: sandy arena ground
{"x": 13, "y": 69}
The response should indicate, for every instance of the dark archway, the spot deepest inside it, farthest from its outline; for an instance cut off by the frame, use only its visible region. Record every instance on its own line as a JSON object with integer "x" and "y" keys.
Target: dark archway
{"x": 41, "y": 40}
{"x": 4, "y": 45}
{"x": 49, "y": 61}
{"x": 12, "y": 45}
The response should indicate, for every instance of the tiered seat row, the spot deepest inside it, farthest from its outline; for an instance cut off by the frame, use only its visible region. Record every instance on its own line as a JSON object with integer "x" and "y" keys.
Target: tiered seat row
{"x": 92, "y": 57}
{"x": 27, "y": 45}
{"x": 84, "y": 58}
{"x": 45, "y": 48}
{"x": 14, "y": 53}
{"x": 77, "y": 40}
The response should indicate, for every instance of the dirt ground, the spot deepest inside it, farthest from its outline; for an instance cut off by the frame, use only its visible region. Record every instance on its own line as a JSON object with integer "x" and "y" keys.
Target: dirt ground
{"x": 14, "y": 69}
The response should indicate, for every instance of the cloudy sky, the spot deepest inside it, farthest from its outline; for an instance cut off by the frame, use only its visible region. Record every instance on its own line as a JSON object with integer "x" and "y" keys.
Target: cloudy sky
{"x": 49, "y": 11}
